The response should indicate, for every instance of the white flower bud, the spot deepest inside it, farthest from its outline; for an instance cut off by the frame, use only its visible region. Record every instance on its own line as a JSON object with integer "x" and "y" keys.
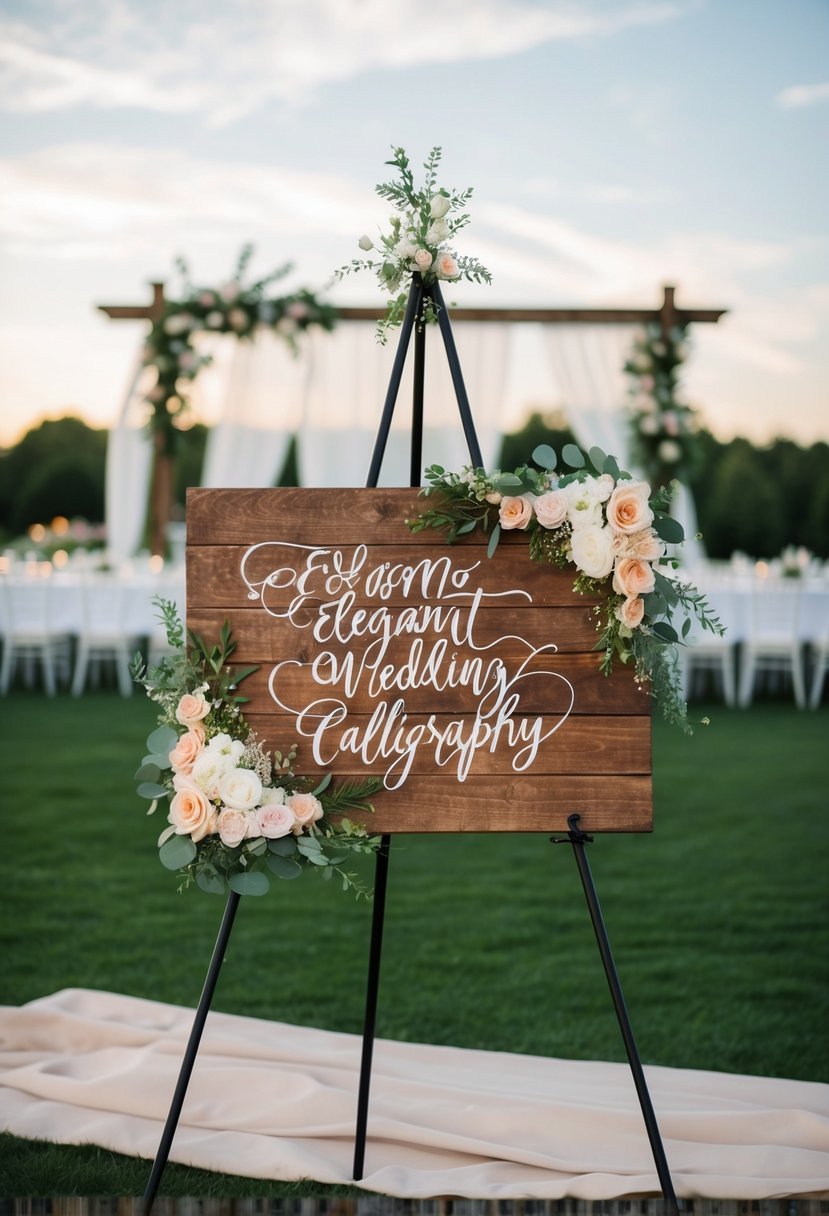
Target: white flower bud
{"x": 439, "y": 206}
{"x": 365, "y": 242}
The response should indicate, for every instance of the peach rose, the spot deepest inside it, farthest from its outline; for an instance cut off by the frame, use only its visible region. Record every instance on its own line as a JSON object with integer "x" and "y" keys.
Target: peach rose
{"x": 633, "y": 577}
{"x": 515, "y": 512}
{"x": 628, "y": 509}
{"x": 190, "y": 811}
{"x": 631, "y": 611}
{"x": 184, "y": 754}
{"x": 645, "y": 544}
{"x": 447, "y": 267}
{"x": 191, "y": 709}
{"x": 234, "y": 826}
{"x": 551, "y": 508}
{"x": 423, "y": 259}
{"x": 275, "y": 821}
{"x": 306, "y": 808}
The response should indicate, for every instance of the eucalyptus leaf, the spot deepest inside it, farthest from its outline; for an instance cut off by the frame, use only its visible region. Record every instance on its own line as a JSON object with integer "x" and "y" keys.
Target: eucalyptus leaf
{"x": 573, "y": 456}
{"x": 162, "y": 740}
{"x": 669, "y": 529}
{"x": 545, "y": 456}
{"x": 493, "y": 540}
{"x": 148, "y": 772}
{"x": 469, "y": 526}
{"x": 598, "y": 459}
{"x": 284, "y": 867}
{"x": 686, "y": 627}
{"x": 665, "y": 632}
{"x": 309, "y": 846}
{"x": 169, "y": 831}
{"x": 211, "y": 881}
{"x": 255, "y": 883}
{"x": 150, "y": 789}
{"x": 666, "y": 588}
{"x": 655, "y": 604}
{"x": 284, "y": 846}
{"x": 323, "y": 785}
{"x": 611, "y": 466}
{"x": 255, "y": 848}
{"x": 507, "y": 481}
{"x": 158, "y": 761}
{"x": 177, "y": 852}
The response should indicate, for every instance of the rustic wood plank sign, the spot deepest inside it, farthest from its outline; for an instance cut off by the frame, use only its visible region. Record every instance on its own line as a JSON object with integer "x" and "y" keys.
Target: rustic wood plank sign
{"x": 469, "y": 684}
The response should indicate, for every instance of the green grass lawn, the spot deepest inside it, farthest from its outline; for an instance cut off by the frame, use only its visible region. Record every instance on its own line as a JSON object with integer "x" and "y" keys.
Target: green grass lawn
{"x": 718, "y": 919}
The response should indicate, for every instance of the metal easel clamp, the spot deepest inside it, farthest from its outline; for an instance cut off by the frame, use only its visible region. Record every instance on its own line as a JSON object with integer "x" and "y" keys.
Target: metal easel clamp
{"x": 575, "y": 834}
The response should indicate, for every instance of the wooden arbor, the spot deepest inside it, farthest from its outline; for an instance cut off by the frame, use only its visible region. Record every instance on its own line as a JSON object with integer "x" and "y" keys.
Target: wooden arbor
{"x": 667, "y": 316}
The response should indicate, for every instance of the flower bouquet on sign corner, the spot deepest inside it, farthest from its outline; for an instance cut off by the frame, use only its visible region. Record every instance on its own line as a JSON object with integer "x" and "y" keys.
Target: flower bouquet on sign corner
{"x": 238, "y": 815}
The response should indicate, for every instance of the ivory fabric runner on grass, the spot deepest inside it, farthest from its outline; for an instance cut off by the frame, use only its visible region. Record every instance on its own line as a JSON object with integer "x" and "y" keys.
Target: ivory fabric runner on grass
{"x": 270, "y": 1100}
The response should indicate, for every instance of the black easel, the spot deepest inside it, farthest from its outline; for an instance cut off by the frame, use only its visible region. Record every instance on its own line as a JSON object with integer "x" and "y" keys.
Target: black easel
{"x": 418, "y": 296}
{"x": 413, "y": 322}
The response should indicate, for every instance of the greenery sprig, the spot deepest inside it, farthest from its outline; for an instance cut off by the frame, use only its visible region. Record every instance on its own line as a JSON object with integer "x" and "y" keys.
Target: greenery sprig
{"x": 238, "y": 815}
{"x": 662, "y": 425}
{"x": 419, "y": 240}
{"x": 611, "y": 529}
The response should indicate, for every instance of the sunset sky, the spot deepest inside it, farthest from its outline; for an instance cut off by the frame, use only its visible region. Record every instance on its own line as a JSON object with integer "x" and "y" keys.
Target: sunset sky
{"x": 614, "y": 145}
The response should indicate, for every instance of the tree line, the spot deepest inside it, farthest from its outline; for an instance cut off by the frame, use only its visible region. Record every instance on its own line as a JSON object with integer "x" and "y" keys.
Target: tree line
{"x": 754, "y": 499}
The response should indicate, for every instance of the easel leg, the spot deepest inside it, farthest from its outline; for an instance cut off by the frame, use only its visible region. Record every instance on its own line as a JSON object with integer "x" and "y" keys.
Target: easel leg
{"x": 191, "y": 1051}
{"x": 578, "y": 839}
{"x": 372, "y": 990}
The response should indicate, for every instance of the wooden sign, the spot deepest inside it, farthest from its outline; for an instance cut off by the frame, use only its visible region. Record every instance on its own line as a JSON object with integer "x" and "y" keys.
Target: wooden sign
{"x": 469, "y": 684}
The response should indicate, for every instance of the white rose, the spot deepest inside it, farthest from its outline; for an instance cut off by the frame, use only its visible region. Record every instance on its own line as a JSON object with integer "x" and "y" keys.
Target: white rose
{"x": 437, "y": 232}
{"x": 240, "y": 789}
{"x": 366, "y": 243}
{"x": 272, "y": 797}
{"x": 669, "y": 451}
{"x": 439, "y": 206}
{"x": 208, "y": 770}
{"x": 223, "y": 745}
{"x": 592, "y": 548}
{"x": 406, "y": 249}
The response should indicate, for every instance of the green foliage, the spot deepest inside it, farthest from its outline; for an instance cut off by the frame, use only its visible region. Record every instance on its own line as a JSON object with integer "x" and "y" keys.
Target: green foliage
{"x": 65, "y": 450}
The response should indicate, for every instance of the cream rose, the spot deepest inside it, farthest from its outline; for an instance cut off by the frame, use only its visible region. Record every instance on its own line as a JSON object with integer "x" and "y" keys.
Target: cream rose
{"x": 551, "y": 508}
{"x": 630, "y": 612}
{"x": 515, "y": 512}
{"x": 423, "y": 259}
{"x": 188, "y": 748}
{"x": 447, "y": 267}
{"x": 208, "y": 769}
{"x": 191, "y": 709}
{"x": 240, "y": 789}
{"x": 633, "y": 577}
{"x": 439, "y": 206}
{"x": 437, "y": 232}
{"x": 272, "y": 796}
{"x": 234, "y": 826}
{"x": 365, "y": 242}
{"x": 275, "y": 821}
{"x": 628, "y": 509}
{"x": 645, "y": 544}
{"x": 592, "y": 549}
{"x": 306, "y": 809}
{"x": 190, "y": 812}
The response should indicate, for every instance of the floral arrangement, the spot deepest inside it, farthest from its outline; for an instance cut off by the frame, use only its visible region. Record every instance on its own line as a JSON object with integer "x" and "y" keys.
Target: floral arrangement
{"x": 420, "y": 239}
{"x": 662, "y": 425}
{"x": 237, "y": 814}
{"x": 231, "y": 308}
{"x": 607, "y": 525}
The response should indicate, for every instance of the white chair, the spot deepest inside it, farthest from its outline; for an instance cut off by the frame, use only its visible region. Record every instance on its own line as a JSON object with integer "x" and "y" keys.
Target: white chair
{"x": 707, "y": 652}
{"x": 29, "y": 635}
{"x": 772, "y": 643}
{"x": 103, "y": 636}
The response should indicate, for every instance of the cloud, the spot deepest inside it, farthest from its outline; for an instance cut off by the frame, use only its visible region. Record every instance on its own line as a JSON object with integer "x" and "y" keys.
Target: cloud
{"x": 800, "y": 95}
{"x": 228, "y": 62}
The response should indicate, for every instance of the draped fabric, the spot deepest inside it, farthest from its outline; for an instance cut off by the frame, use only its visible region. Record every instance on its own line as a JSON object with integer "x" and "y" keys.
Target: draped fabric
{"x": 350, "y": 376}
{"x": 257, "y": 391}
{"x": 128, "y": 468}
{"x": 587, "y": 364}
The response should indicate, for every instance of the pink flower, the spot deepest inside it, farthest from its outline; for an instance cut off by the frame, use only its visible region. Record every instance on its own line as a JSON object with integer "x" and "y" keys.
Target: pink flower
{"x": 191, "y": 709}
{"x": 633, "y": 577}
{"x": 423, "y": 259}
{"x": 551, "y": 508}
{"x": 306, "y": 809}
{"x": 187, "y": 749}
{"x": 628, "y": 508}
{"x": 298, "y": 310}
{"x": 234, "y": 826}
{"x": 447, "y": 267}
{"x": 630, "y": 612}
{"x": 275, "y": 821}
{"x": 515, "y": 512}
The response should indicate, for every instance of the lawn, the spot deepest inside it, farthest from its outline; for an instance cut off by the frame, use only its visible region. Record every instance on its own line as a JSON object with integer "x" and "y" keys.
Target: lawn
{"x": 718, "y": 919}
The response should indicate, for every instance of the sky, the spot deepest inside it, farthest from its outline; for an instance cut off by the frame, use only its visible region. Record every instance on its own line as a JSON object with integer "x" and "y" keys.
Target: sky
{"x": 613, "y": 146}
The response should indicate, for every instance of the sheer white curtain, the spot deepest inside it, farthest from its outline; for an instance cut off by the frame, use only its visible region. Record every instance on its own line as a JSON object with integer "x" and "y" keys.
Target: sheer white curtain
{"x": 256, "y": 393}
{"x": 587, "y": 362}
{"x": 350, "y": 376}
{"x": 128, "y": 468}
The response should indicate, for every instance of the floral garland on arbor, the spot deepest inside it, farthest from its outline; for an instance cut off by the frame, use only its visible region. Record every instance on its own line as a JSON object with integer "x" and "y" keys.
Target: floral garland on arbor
{"x": 662, "y": 425}
{"x": 237, "y": 814}
{"x": 232, "y": 308}
{"x": 419, "y": 240}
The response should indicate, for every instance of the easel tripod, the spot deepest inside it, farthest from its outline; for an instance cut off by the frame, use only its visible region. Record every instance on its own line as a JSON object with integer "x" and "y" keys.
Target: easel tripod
{"x": 420, "y": 294}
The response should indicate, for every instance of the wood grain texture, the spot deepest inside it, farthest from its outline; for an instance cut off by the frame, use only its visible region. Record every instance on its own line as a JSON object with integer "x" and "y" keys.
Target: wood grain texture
{"x": 389, "y": 653}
